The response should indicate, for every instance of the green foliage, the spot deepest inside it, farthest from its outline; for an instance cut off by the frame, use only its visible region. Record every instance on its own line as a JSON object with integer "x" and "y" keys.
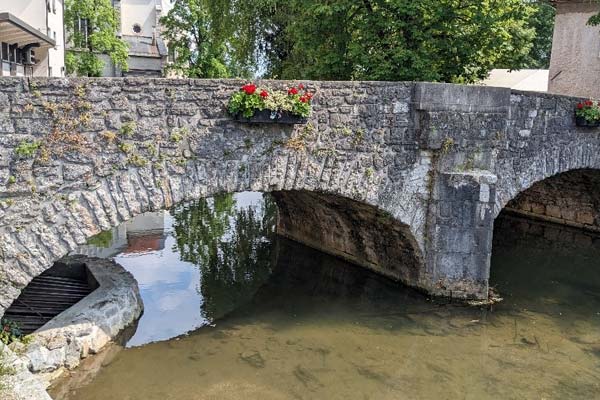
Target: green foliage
{"x": 101, "y": 37}
{"x": 10, "y": 332}
{"x": 200, "y": 52}
{"x": 542, "y": 21}
{"x": 27, "y": 149}
{"x": 595, "y": 19}
{"x": 102, "y": 240}
{"x": 219, "y": 38}
{"x": 432, "y": 40}
{"x": 245, "y": 104}
{"x": 127, "y": 129}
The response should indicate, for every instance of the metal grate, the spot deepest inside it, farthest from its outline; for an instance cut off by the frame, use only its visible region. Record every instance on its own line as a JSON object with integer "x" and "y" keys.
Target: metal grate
{"x": 46, "y": 296}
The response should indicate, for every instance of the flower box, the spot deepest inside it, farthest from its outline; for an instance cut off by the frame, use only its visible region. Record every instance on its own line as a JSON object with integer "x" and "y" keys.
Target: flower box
{"x": 587, "y": 114}
{"x": 255, "y": 105}
{"x": 581, "y": 121}
{"x": 272, "y": 117}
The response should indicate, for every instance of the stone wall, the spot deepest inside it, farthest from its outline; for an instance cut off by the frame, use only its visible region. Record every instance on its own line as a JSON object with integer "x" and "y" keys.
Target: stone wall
{"x": 440, "y": 161}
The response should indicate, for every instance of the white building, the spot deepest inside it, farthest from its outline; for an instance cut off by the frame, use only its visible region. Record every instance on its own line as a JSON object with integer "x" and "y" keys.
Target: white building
{"x": 140, "y": 29}
{"x": 32, "y": 38}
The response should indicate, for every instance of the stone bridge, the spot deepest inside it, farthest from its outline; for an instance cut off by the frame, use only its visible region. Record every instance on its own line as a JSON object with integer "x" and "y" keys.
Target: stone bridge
{"x": 402, "y": 178}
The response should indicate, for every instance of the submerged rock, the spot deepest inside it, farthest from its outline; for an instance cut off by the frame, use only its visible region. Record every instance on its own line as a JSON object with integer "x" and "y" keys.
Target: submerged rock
{"x": 253, "y": 358}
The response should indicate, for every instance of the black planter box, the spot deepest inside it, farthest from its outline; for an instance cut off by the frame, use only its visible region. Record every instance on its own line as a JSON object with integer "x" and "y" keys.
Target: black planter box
{"x": 272, "y": 117}
{"x": 580, "y": 121}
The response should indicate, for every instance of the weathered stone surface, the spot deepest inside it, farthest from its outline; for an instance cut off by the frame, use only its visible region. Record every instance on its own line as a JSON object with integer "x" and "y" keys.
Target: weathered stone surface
{"x": 441, "y": 160}
{"x": 22, "y": 385}
{"x": 90, "y": 324}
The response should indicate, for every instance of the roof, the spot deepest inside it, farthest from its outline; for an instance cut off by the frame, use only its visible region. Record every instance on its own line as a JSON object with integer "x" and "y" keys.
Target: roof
{"x": 526, "y": 79}
{"x": 143, "y": 46}
{"x": 15, "y": 30}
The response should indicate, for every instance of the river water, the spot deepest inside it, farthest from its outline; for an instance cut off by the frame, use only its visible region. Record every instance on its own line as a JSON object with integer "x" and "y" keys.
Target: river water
{"x": 233, "y": 312}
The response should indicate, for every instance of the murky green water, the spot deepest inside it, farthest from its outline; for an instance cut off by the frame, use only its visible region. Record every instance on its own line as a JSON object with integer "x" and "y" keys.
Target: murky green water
{"x": 276, "y": 320}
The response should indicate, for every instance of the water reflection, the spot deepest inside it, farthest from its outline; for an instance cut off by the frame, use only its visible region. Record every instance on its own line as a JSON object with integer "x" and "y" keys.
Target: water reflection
{"x": 195, "y": 263}
{"x": 230, "y": 245}
{"x": 319, "y": 328}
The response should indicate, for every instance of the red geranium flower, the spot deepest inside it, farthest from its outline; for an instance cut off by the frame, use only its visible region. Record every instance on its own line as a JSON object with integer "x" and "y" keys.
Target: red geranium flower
{"x": 304, "y": 99}
{"x": 249, "y": 88}
{"x": 579, "y": 106}
{"x": 293, "y": 91}
{"x": 308, "y": 95}
{"x": 301, "y": 86}
{"x": 264, "y": 94}
{"x": 589, "y": 103}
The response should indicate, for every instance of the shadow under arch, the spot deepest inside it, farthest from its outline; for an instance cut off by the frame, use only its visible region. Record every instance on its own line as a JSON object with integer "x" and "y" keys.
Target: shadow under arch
{"x": 356, "y": 232}
{"x": 569, "y": 198}
{"x": 545, "y": 233}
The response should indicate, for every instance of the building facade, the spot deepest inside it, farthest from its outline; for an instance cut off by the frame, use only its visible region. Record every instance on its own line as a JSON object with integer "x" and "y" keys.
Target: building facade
{"x": 32, "y": 38}
{"x": 575, "y": 61}
{"x": 140, "y": 29}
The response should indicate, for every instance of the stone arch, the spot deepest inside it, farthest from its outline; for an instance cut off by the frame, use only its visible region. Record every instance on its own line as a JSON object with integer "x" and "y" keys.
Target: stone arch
{"x": 568, "y": 198}
{"x": 516, "y": 175}
{"x": 63, "y": 225}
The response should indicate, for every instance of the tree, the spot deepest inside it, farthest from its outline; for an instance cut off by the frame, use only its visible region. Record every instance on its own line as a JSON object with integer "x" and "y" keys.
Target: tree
{"x": 189, "y": 31}
{"x": 92, "y": 27}
{"x": 216, "y": 38}
{"x": 432, "y": 40}
{"x": 542, "y": 21}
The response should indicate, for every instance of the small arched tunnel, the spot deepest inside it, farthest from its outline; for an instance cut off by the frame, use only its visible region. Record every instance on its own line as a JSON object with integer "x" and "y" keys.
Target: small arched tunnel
{"x": 547, "y": 238}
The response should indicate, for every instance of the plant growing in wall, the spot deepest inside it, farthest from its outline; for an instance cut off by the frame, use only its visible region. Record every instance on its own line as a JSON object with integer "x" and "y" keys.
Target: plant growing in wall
{"x": 263, "y": 105}
{"x": 587, "y": 113}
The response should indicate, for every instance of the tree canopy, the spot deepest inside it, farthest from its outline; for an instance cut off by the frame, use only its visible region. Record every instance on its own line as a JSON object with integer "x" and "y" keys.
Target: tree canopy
{"x": 432, "y": 40}
{"x": 92, "y": 27}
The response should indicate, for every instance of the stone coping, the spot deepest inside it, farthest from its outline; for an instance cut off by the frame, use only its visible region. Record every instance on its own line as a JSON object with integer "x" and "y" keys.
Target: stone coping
{"x": 79, "y": 331}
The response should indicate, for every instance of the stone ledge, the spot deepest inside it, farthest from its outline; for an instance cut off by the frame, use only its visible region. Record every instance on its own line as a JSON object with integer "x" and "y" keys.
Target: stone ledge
{"x": 449, "y": 97}
{"x": 83, "y": 329}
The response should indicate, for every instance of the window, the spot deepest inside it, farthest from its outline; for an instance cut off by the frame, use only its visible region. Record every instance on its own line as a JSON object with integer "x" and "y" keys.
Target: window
{"x": 172, "y": 54}
{"x": 4, "y": 51}
{"x": 12, "y": 53}
{"x": 137, "y": 28}
{"x": 81, "y": 33}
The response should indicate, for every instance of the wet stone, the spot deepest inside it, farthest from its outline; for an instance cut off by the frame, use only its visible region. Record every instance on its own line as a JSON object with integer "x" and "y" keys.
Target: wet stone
{"x": 254, "y": 358}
